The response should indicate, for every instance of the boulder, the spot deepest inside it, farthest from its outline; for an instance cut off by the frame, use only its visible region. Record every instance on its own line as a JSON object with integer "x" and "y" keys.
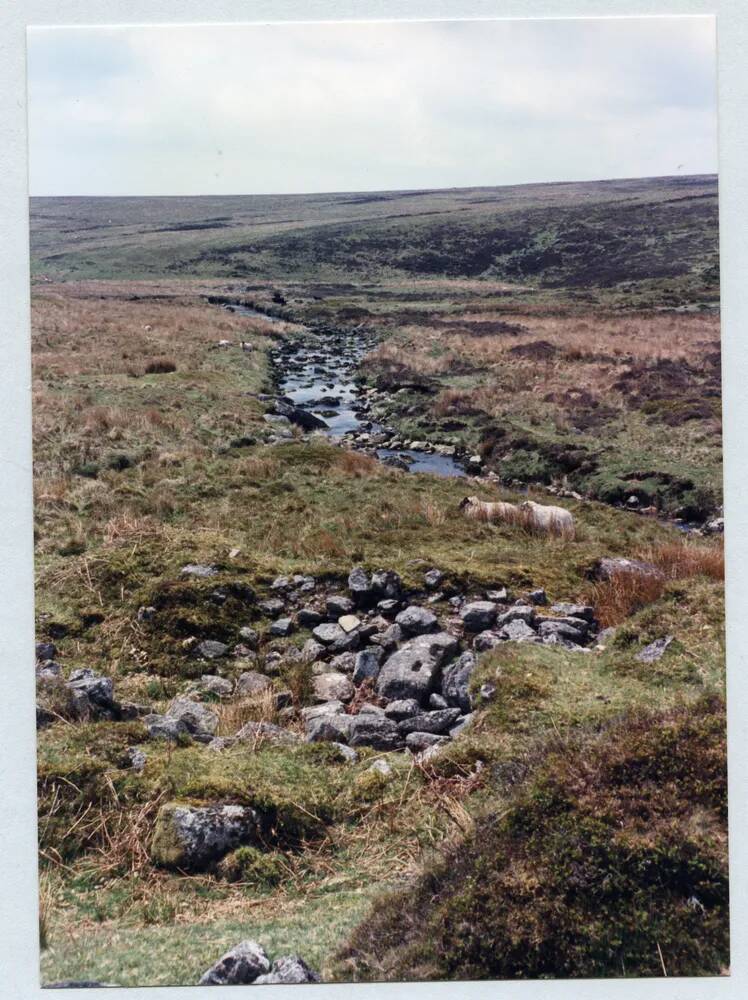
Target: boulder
{"x": 519, "y": 613}
{"x": 331, "y": 727}
{"x": 415, "y": 620}
{"x": 333, "y": 687}
{"x": 388, "y": 639}
{"x": 311, "y": 651}
{"x": 388, "y": 606}
{"x": 192, "y": 837}
{"x": 538, "y": 597}
{"x": 367, "y": 664}
{"x": 289, "y": 969}
{"x": 440, "y": 722}
{"x": 478, "y": 615}
{"x": 562, "y": 630}
{"x": 375, "y": 731}
{"x": 252, "y": 682}
{"x": 344, "y": 663}
{"x": 402, "y": 709}
{"x": 249, "y": 637}
{"x": 197, "y": 717}
{"x": 45, "y": 651}
{"x": 456, "y": 682}
{"x": 240, "y": 966}
{"x": 486, "y": 640}
{"x": 272, "y": 607}
{"x": 92, "y": 695}
{"x": 437, "y": 702}
{"x": 328, "y": 634}
{"x": 210, "y": 649}
{"x": 576, "y": 610}
{"x": 608, "y": 567}
{"x": 412, "y": 672}
{"x": 432, "y": 579}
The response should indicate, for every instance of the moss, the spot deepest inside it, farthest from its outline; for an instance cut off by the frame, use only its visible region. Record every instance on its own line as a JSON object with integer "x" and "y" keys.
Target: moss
{"x": 260, "y": 869}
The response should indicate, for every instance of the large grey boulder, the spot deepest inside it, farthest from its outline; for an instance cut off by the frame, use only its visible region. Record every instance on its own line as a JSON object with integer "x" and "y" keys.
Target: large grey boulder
{"x": 332, "y": 687}
{"x": 478, "y": 615}
{"x": 375, "y": 731}
{"x": 197, "y": 717}
{"x": 240, "y": 966}
{"x": 367, "y": 664}
{"x": 415, "y": 620}
{"x": 412, "y": 672}
{"x": 439, "y": 722}
{"x": 192, "y": 837}
{"x": 456, "y": 682}
{"x": 611, "y": 566}
{"x": 289, "y": 969}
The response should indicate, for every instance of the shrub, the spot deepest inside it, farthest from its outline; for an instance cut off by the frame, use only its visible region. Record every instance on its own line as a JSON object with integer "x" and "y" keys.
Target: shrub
{"x": 160, "y": 366}
{"x": 261, "y": 869}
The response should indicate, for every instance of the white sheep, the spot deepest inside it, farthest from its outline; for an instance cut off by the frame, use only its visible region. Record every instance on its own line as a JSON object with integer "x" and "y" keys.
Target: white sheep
{"x": 484, "y": 510}
{"x": 547, "y": 519}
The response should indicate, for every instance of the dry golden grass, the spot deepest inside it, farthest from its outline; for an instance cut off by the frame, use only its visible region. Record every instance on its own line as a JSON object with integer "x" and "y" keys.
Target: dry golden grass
{"x": 685, "y": 558}
{"x": 357, "y": 464}
{"x": 232, "y": 715}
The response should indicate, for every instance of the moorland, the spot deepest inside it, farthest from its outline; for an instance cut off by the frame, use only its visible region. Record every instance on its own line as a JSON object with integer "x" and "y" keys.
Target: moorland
{"x": 255, "y": 420}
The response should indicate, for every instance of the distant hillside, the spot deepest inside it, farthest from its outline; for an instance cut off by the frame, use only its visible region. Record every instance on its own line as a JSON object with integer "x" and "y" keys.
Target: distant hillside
{"x": 587, "y": 235}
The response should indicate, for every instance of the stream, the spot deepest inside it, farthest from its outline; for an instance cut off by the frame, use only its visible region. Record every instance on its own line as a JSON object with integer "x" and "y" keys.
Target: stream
{"x": 318, "y": 373}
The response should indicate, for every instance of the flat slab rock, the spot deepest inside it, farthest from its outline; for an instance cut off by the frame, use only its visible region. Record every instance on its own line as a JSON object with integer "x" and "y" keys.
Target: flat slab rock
{"x": 413, "y": 670}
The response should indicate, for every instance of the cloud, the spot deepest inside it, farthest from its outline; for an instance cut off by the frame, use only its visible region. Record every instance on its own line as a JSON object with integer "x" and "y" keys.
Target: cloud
{"x": 347, "y": 106}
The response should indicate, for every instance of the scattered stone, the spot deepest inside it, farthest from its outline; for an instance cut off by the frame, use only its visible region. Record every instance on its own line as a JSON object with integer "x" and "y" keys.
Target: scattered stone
{"x": 281, "y": 583}
{"x": 402, "y": 709}
{"x": 500, "y": 596}
{"x": 374, "y": 731}
{"x": 388, "y": 606}
{"x": 251, "y": 683}
{"x": 462, "y": 723}
{"x": 343, "y": 662}
{"x": 272, "y": 606}
{"x": 439, "y": 722}
{"x": 382, "y": 767}
{"x": 360, "y": 587}
{"x": 309, "y": 618}
{"x": 487, "y": 692}
{"x": 333, "y": 707}
{"x": 607, "y": 635}
{"x": 411, "y": 672}
{"x": 367, "y": 664}
{"x": 137, "y": 759}
{"x": 562, "y": 629}
{"x": 92, "y": 695}
{"x": 655, "y": 650}
{"x": 349, "y": 623}
{"x": 333, "y": 687}
{"x": 190, "y": 837}
{"x": 388, "y": 639}
{"x": 338, "y": 605}
{"x": 416, "y": 742}
{"x": 240, "y": 966}
{"x": 215, "y": 685}
{"x": 282, "y": 627}
{"x": 386, "y": 585}
{"x": 608, "y": 567}
{"x": 538, "y": 597}
{"x": 328, "y": 634}
{"x": 518, "y": 631}
{"x": 486, "y": 640}
{"x": 575, "y": 611}
{"x": 45, "y": 651}
{"x": 197, "y": 717}
{"x": 432, "y": 579}
{"x": 348, "y": 754}
{"x": 436, "y": 702}
{"x": 165, "y": 727}
{"x": 519, "y": 613}
{"x": 197, "y": 569}
{"x": 334, "y": 728}
{"x": 415, "y": 620}
{"x": 210, "y": 649}
{"x": 368, "y": 708}
{"x": 290, "y": 969}
{"x": 478, "y": 615}
{"x": 311, "y": 651}
{"x": 249, "y": 636}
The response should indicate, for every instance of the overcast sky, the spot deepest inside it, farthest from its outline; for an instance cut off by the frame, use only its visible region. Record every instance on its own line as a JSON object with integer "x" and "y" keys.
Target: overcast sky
{"x": 255, "y": 109}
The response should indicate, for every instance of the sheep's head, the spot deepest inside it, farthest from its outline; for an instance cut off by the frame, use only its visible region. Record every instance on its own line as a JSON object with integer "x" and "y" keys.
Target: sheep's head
{"x": 468, "y": 502}
{"x": 526, "y": 505}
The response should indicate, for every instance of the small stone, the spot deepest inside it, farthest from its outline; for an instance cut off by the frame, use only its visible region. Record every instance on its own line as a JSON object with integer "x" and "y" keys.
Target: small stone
{"x": 349, "y": 623}
{"x": 145, "y": 614}
{"x": 655, "y": 650}
{"x": 388, "y": 606}
{"x": 477, "y": 616}
{"x": 344, "y": 662}
{"x": 251, "y": 683}
{"x": 258, "y": 733}
{"x": 433, "y": 578}
{"x": 360, "y": 587}
{"x": 519, "y": 613}
{"x": 333, "y": 687}
{"x": 381, "y": 767}
{"x": 282, "y": 627}
{"x": 338, "y": 605}
{"x": 198, "y": 569}
{"x": 440, "y": 722}
{"x": 281, "y": 583}
{"x": 575, "y": 611}
{"x": 210, "y": 649}
{"x": 487, "y": 692}
{"x": 309, "y": 618}
{"x": 45, "y": 651}
{"x": 328, "y": 634}
{"x": 242, "y": 965}
{"x": 486, "y": 640}
{"x": 518, "y": 631}
{"x": 367, "y": 664}
{"x": 538, "y": 597}
{"x": 197, "y": 717}
{"x": 272, "y": 607}
{"x": 213, "y": 684}
{"x": 164, "y": 727}
{"x": 311, "y": 651}
{"x": 501, "y": 595}
{"x": 290, "y": 968}
{"x": 137, "y": 758}
{"x": 436, "y": 702}
{"x": 249, "y": 637}
{"x": 416, "y": 742}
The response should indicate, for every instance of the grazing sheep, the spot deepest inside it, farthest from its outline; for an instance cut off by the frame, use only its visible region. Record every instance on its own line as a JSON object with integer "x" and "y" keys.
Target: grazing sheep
{"x": 483, "y": 510}
{"x": 549, "y": 520}
{"x": 245, "y": 345}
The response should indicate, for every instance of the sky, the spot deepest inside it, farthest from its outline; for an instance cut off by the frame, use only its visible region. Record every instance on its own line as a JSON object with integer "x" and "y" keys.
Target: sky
{"x": 272, "y": 109}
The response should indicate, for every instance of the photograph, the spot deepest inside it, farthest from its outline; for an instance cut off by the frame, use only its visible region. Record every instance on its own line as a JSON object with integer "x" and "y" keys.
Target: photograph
{"x": 378, "y": 502}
